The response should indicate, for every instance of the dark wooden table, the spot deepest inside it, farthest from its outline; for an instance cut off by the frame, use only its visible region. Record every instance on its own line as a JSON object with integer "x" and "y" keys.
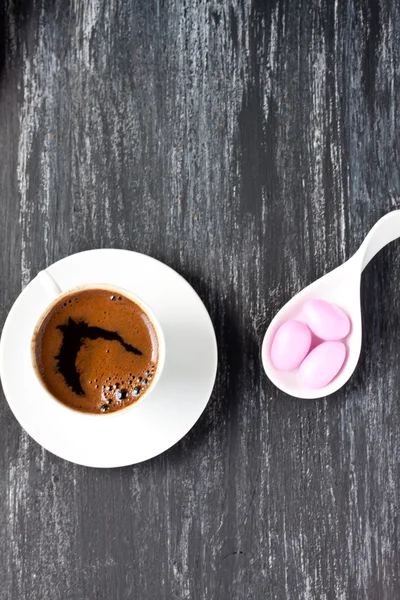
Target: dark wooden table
{"x": 250, "y": 146}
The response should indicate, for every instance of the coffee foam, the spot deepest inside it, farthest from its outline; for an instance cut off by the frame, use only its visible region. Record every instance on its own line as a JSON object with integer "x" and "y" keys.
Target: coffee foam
{"x": 113, "y": 344}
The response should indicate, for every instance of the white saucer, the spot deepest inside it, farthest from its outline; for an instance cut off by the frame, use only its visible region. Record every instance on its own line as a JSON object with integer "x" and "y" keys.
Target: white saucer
{"x": 151, "y": 426}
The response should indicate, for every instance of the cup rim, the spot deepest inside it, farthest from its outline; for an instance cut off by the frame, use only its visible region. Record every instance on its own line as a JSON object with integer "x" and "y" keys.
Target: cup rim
{"x": 134, "y": 298}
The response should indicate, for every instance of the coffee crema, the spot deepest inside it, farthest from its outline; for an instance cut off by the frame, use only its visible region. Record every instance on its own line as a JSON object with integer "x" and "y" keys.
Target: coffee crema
{"x": 96, "y": 351}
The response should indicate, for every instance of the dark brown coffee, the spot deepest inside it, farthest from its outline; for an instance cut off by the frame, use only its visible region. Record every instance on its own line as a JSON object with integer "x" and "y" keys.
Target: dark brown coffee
{"x": 96, "y": 351}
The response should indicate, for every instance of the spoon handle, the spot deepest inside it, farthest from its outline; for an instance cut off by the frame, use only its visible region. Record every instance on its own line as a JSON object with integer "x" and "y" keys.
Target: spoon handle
{"x": 383, "y": 232}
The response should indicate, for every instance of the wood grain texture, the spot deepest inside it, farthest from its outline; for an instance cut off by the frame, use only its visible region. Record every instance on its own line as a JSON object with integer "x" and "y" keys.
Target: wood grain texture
{"x": 250, "y": 146}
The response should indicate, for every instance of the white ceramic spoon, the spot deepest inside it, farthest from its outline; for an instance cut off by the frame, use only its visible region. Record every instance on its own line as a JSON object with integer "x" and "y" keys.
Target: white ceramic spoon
{"x": 341, "y": 287}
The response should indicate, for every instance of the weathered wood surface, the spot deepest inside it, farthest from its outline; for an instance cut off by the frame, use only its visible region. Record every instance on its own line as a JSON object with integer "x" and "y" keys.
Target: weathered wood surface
{"x": 250, "y": 146}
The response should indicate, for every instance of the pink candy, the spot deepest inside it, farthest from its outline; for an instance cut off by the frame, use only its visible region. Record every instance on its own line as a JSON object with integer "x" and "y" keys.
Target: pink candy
{"x": 291, "y": 345}
{"x": 322, "y": 364}
{"x": 326, "y": 320}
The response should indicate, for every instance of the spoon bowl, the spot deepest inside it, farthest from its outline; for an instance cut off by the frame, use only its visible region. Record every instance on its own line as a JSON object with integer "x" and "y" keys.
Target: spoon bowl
{"x": 342, "y": 288}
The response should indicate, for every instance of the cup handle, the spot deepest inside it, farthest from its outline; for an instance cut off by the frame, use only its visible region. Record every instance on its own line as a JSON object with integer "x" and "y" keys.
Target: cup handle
{"x": 49, "y": 284}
